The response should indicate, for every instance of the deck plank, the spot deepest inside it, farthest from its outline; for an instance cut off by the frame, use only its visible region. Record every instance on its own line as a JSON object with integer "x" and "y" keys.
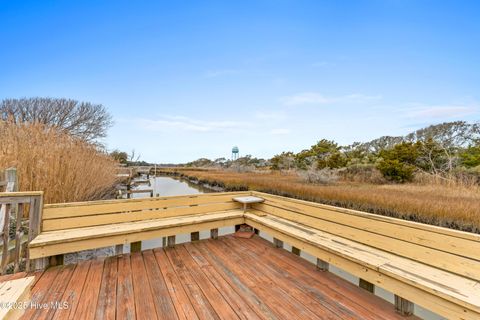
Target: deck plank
{"x": 144, "y": 305}
{"x": 163, "y": 301}
{"x": 40, "y": 289}
{"x": 73, "y": 291}
{"x": 300, "y": 302}
{"x": 53, "y": 298}
{"x": 329, "y": 299}
{"x": 178, "y": 295}
{"x": 87, "y": 307}
{"x": 197, "y": 298}
{"x": 217, "y": 301}
{"x": 344, "y": 292}
{"x": 106, "y": 306}
{"x": 277, "y": 299}
{"x": 235, "y": 300}
{"x": 228, "y": 278}
{"x": 125, "y": 295}
{"x": 291, "y": 284}
{"x": 240, "y": 286}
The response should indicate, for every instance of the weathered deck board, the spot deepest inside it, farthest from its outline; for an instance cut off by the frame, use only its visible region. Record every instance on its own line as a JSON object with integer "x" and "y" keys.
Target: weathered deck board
{"x": 106, "y": 307}
{"x": 356, "y": 301}
{"x": 163, "y": 303}
{"x": 73, "y": 291}
{"x": 125, "y": 300}
{"x": 228, "y": 278}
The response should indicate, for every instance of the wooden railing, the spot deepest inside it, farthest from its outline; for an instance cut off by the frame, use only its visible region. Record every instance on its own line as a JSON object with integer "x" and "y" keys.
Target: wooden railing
{"x": 20, "y": 221}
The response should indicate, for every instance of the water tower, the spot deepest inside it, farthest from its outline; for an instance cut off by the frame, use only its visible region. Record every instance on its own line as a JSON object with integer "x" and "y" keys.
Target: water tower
{"x": 235, "y": 153}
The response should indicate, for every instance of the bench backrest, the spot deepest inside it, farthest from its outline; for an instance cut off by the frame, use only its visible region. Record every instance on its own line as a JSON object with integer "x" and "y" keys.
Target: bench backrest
{"x": 94, "y": 213}
{"x": 447, "y": 249}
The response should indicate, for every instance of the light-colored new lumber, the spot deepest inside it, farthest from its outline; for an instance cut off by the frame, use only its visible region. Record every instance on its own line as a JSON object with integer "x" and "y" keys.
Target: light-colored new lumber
{"x": 429, "y": 255}
{"x": 73, "y": 240}
{"x": 112, "y": 218}
{"x": 73, "y": 209}
{"x": 15, "y": 292}
{"x": 460, "y": 290}
{"x": 290, "y": 203}
{"x": 427, "y": 238}
{"x": 428, "y": 299}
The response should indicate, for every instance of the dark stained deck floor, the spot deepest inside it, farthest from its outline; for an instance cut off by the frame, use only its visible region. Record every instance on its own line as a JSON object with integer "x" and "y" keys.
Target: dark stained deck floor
{"x": 228, "y": 278}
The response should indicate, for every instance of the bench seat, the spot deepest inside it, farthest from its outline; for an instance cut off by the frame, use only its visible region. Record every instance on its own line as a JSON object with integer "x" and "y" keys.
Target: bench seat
{"x": 435, "y": 289}
{"x": 57, "y": 242}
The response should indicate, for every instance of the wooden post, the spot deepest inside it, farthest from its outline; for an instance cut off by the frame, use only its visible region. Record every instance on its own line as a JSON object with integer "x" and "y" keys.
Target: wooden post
{"x": 322, "y": 265}
{"x": 136, "y": 246}
{"x": 277, "y": 243}
{"x": 195, "y": 236}
{"x": 170, "y": 241}
{"x": 18, "y": 237}
{"x": 164, "y": 242}
{"x": 403, "y": 306}
{"x": 214, "y": 233}
{"x": 34, "y": 228}
{"x": 364, "y": 284}
{"x": 5, "y": 238}
{"x": 295, "y": 251}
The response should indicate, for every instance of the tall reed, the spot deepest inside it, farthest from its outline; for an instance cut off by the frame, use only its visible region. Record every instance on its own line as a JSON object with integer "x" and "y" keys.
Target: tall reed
{"x": 65, "y": 168}
{"x": 452, "y": 206}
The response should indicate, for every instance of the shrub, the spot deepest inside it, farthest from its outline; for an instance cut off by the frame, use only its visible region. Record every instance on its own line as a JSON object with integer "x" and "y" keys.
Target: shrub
{"x": 396, "y": 170}
{"x": 366, "y": 173}
{"x": 65, "y": 168}
{"x": 323, "y": 176}
{"x": 398, "y": 163}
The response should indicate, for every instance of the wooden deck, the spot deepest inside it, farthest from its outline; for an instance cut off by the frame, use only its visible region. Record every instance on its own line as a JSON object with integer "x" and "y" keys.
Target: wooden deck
{"x": 228, "y": 278}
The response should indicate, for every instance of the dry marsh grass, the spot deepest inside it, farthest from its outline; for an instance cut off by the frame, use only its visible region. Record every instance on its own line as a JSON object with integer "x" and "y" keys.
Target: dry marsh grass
{"x": 66, "y": 169}
{"x": 456, "y": 207}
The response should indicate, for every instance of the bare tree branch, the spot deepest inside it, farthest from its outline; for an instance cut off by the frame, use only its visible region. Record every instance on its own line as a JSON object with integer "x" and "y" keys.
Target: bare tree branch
{"x": 83, "y": 120}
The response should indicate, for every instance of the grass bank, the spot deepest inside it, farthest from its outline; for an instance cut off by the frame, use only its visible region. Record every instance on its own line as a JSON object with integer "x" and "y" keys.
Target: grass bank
{"x": 454, "y": 207}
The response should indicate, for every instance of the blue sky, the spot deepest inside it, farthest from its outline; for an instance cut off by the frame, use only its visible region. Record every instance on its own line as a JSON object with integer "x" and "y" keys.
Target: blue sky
{"x": 190, "y": 79}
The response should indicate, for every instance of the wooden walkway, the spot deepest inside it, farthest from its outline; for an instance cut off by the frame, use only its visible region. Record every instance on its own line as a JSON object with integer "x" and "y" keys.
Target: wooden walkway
{"x": 228, "y": 278}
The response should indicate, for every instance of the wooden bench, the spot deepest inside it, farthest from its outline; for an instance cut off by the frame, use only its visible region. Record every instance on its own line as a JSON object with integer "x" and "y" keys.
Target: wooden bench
{"x": 437, "y": 268}
{"x": 72, "y": 227}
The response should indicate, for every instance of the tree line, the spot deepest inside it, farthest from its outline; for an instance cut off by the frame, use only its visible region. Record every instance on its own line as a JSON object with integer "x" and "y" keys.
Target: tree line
{"x": 441, "y": 150}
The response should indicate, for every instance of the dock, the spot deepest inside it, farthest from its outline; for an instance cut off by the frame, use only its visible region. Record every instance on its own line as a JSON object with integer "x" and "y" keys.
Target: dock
{"x": 228, "y": 278}
{"x": 240, "y": 276}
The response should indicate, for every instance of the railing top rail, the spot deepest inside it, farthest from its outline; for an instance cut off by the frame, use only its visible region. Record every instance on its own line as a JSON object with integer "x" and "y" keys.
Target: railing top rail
{"x": 21, "y": 194}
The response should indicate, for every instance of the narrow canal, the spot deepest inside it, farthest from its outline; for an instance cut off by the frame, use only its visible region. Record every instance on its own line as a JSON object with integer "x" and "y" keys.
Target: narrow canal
{"x": 167, "y": 186}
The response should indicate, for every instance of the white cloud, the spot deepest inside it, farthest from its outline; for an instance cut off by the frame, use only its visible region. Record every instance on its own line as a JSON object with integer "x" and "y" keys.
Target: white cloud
{"x": 441, "y": 111}
{"x": 188, "y": 124}
{"x": 317, "y": 98}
